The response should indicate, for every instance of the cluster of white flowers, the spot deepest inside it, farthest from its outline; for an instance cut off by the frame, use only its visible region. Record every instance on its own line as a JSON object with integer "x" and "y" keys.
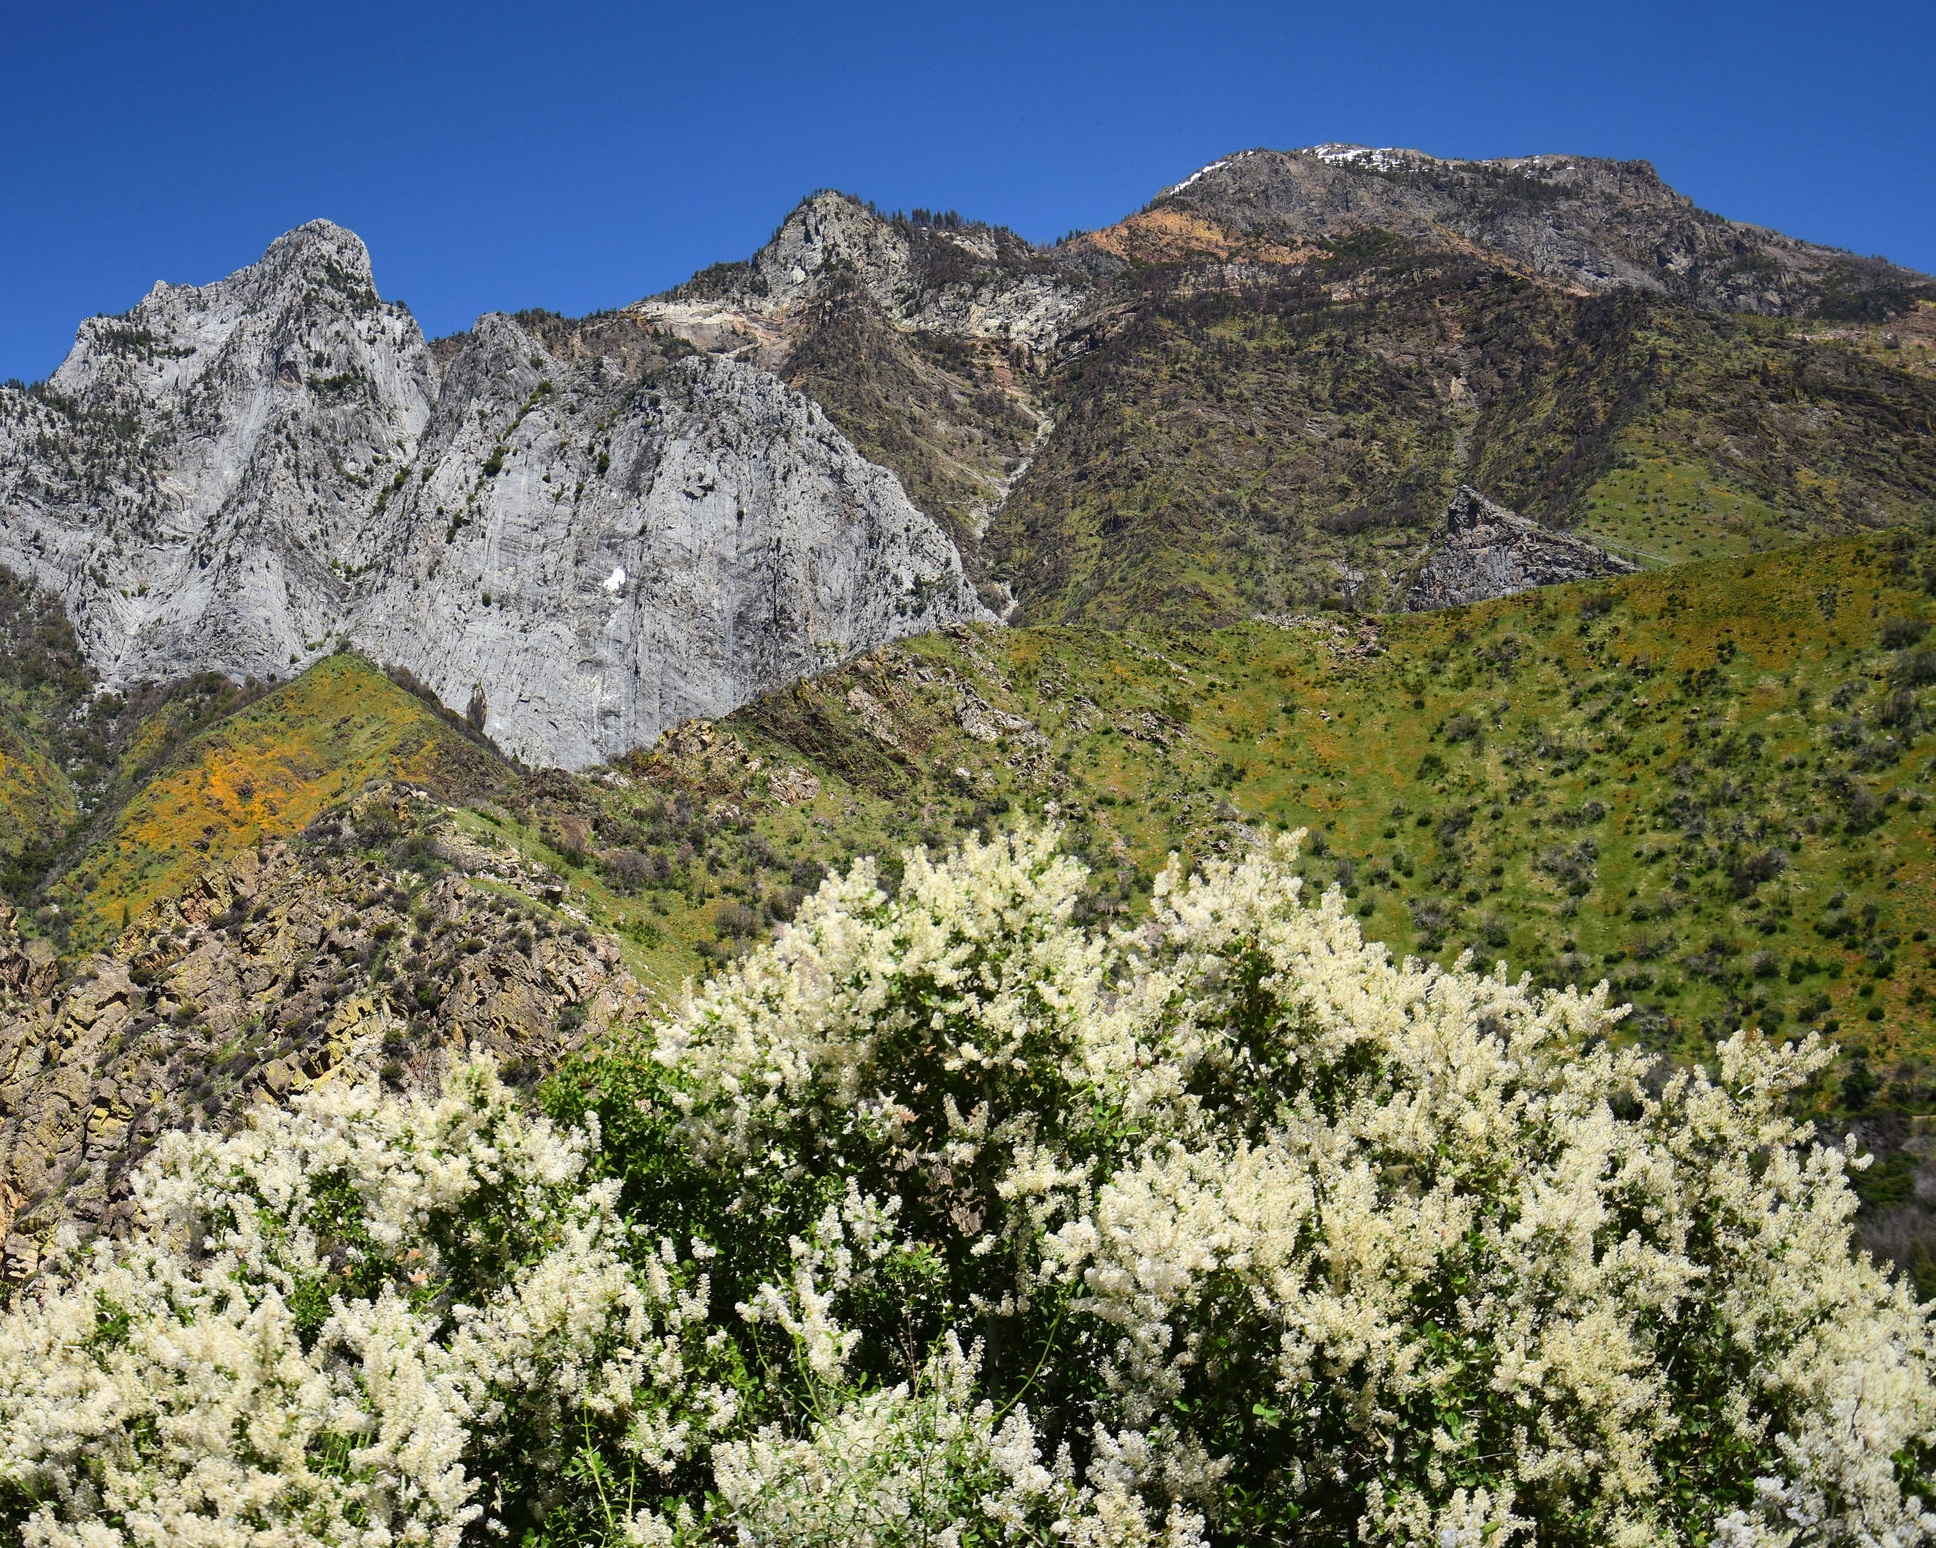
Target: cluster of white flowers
{"x": 1001, "y": 1229}
{"x": 1430, "y": 1233}
{"x": 338, "y": 1325}
{"x": 925, "y": 1461}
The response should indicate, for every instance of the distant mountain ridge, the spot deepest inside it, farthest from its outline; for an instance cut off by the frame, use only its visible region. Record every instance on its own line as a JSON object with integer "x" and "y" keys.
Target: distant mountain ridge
{"x": 1579, "y": 220}
{"x": 1258, "y": 394}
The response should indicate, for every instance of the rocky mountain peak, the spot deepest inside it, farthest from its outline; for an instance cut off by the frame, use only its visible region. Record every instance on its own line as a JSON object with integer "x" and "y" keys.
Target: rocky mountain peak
{"x": 1584, "y": 222}
{"x": 175, "y": 332}
{"x": 833, "y": 230}
{"x": 244, "y": 475}
{"x": 948, "y": 276}
{"x": 320, "y": 244}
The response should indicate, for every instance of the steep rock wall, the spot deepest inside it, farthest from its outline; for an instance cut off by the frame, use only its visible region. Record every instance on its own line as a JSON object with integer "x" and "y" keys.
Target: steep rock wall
{"x": 240, "y": 475}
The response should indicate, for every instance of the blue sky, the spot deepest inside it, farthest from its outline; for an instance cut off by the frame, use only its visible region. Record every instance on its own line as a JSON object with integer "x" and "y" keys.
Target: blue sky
{"x": 578, "y": 155}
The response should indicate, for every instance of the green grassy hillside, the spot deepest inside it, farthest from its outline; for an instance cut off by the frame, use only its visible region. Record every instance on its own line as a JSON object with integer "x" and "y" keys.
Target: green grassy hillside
{"x": 1708, "y": 785}
{"x": 67, "y": 753}
{"x": 42, "y": 682}
{"x": 1237, "y": 440}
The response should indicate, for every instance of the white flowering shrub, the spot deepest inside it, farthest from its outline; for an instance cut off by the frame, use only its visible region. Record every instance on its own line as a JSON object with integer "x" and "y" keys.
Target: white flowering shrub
{"x": 368, "y": 1319}
{"x": 1266, "y": 1227}
{"x": 949, "y": 1221}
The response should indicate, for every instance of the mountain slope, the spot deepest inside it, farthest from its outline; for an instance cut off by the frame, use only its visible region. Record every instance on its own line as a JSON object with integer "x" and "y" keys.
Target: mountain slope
{"x": 237, "y": 477}
{"x": 1262, "y": 390}
{"x": 265, "y": 770}
{"x": 1256, "y": 395}
{"x": 1581, "y": 780}
{"x": 1231, "y": 442}
{"x": 1709, "y": 785}
{"x": 385, "y": 941}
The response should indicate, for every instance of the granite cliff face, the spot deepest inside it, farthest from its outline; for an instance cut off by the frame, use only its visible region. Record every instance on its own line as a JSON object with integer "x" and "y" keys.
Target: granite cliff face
{"x": 595, "y": 556}
{"x": 200, "y": 481}
{"x": 238, "y": 476}
{"x": 1485, "y": 551}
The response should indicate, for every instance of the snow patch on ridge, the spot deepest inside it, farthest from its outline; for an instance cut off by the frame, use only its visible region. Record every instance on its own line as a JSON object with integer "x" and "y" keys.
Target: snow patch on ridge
{"x": 1214, "y": 166}
{"x": 1384, "y": 158}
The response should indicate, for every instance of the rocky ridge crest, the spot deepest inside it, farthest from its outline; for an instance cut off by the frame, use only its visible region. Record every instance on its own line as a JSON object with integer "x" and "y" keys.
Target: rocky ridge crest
{"x": 1581, "y": 221}
{"x": 965, "y": 280}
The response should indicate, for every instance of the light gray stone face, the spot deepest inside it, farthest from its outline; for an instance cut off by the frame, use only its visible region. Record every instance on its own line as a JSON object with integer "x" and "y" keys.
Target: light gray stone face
{"x": 1485, "y": 551}
{"x": 733, "y": 541}
{"x": 236, "y": 477}
{"x": 199, "y": 480}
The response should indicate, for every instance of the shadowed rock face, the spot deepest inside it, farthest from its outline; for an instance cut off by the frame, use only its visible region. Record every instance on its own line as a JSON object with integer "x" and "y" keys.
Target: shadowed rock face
{"x": 1486, "y": 551}
{"x": 236, "y": 476}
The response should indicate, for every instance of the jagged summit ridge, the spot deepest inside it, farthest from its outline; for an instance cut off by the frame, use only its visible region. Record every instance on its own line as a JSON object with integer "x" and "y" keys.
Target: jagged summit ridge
{"x": 200, "y": 477}
{"x": 239, "y": 476}
{"x": 1583, "y": 221}
{"x": 967, "y": 280}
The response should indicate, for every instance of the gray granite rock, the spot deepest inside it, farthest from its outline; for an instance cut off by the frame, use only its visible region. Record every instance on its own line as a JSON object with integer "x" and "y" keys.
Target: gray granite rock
{"x": 644, "y": 552}
{"x": 1484, "y": 550}
{"x": 235, "y": 477}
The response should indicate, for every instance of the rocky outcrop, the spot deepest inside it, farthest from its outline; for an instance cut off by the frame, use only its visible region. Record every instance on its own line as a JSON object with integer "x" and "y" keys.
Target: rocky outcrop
{"x": 1484, "y": 550}
{"x": 237, "y": 476}
{"x": 964, "y": 280}
{"x": 1582, "y": 221}
{"x": 385, "y": 941}
{"x": 597, "y": 558}
{"x": 201, "y": 481}
{"x": 29, "y": 968}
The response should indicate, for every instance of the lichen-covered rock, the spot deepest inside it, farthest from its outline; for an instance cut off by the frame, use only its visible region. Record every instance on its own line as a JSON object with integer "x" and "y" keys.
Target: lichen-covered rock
{"x": 1485, "y": 550}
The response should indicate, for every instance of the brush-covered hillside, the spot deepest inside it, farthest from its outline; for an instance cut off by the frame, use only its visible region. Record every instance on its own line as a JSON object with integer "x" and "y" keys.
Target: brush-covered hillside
{"x": 1708, "y": 786}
